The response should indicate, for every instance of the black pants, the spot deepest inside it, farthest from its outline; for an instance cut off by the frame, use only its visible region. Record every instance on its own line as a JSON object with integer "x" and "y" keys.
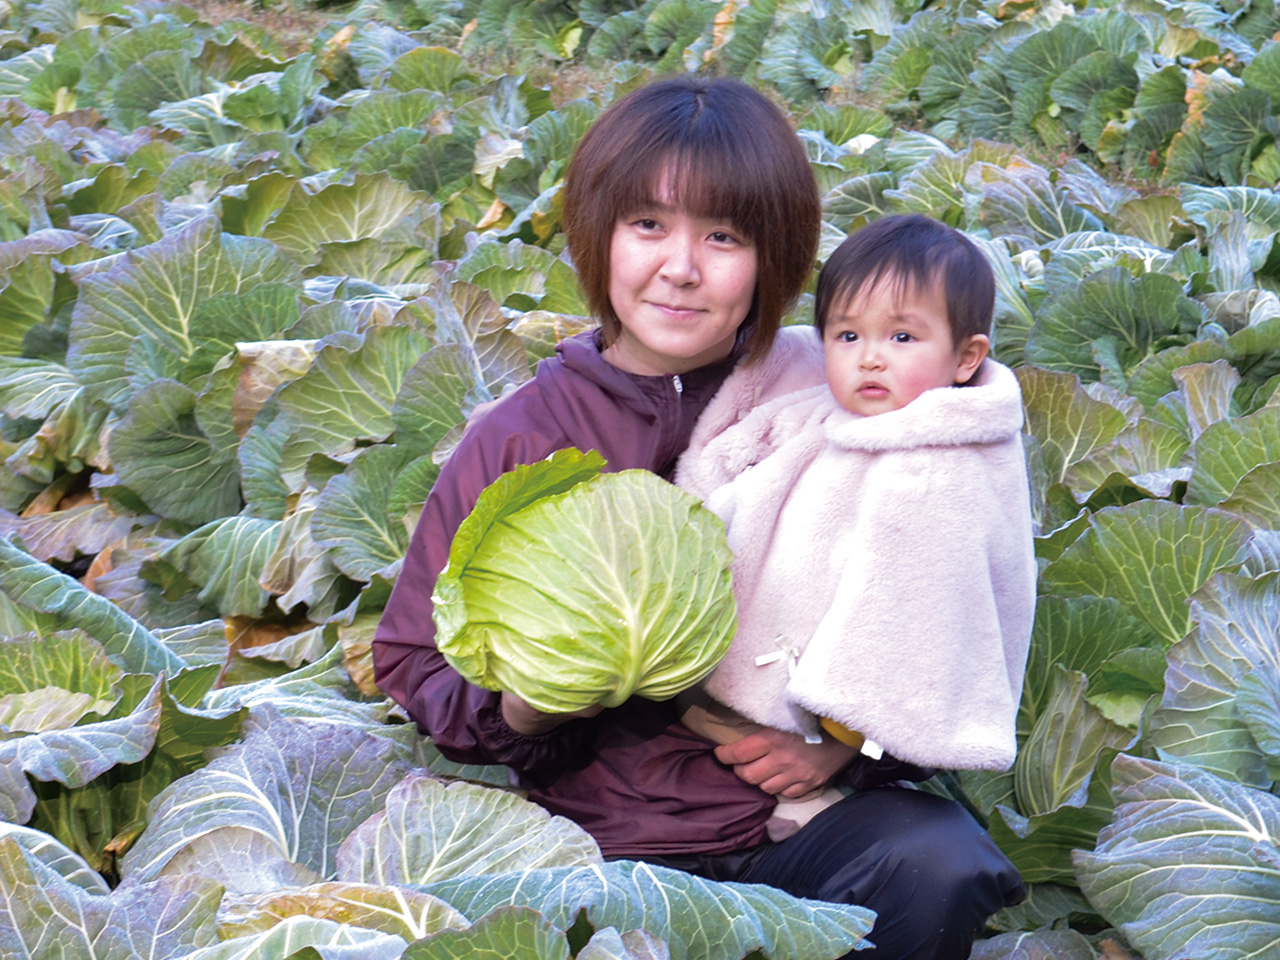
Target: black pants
{"x": 929, "y": 870}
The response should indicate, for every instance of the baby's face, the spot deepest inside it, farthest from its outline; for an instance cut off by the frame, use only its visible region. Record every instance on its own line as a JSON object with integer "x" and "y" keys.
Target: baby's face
{"x": 890, "y": 343}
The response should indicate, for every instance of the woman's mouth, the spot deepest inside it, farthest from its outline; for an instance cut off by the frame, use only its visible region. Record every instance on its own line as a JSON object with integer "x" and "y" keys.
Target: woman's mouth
{"x": 674, "y": 310}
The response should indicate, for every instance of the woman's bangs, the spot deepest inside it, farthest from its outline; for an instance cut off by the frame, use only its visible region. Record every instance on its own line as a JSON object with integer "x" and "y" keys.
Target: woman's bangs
{"x": 700, "y": 182}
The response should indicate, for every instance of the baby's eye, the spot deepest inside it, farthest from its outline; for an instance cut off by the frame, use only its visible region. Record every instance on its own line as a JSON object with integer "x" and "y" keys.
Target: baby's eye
{"x": 902, "y": 337}
{"x": 846, "y": 336}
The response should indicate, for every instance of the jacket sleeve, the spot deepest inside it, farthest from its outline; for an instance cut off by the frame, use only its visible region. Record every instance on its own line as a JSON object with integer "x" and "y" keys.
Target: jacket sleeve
{"x": 464, "y": 722}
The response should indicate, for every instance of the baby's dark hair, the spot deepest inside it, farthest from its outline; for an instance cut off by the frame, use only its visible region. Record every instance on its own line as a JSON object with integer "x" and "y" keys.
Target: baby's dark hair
{"x": 917, "y": 251}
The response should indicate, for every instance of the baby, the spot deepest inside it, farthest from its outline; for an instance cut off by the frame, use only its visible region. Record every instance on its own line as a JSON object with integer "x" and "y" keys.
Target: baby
{"x": 880, "y": 522}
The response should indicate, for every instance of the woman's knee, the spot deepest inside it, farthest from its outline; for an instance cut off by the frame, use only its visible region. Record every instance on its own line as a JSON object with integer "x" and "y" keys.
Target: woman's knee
{"x": 943, "y": 837}
{"x": 914, "y": 846}
{"x": 933, "y": 876}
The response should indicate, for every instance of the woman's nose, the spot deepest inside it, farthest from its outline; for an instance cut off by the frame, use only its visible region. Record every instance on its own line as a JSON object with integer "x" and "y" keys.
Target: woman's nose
{"x": 680, "y": 261}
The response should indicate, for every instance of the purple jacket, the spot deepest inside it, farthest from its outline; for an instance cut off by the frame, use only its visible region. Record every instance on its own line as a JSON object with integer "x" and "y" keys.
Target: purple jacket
{"x": 638, "y": 780}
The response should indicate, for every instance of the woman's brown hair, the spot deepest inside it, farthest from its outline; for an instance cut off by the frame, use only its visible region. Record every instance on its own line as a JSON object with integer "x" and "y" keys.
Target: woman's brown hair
{"x": 725, "y": 152}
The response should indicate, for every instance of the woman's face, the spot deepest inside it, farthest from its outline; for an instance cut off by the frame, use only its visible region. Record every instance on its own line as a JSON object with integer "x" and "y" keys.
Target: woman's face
{"x": 681, "y": 285}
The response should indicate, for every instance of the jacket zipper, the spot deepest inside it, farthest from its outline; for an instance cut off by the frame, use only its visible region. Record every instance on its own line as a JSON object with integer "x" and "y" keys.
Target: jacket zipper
{"x": 669, "y": 441}
{"x": 679, "y": 385}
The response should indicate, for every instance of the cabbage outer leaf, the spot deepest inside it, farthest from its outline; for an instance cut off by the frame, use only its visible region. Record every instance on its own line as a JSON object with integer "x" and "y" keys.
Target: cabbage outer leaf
{"x": 697, "y": 917}
{"x": 1190, "y": 866}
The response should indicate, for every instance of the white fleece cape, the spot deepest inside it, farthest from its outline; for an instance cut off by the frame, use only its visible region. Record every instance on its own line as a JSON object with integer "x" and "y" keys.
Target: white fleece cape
{"x": 884, "y": 565}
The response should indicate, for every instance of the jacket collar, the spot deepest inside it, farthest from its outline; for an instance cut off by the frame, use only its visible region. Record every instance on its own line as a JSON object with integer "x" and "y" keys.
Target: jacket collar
{"x": 582, "y": 354}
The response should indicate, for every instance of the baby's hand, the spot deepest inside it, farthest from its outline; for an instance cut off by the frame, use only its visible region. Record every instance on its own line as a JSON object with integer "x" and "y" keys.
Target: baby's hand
{"x": 782, "y": 763}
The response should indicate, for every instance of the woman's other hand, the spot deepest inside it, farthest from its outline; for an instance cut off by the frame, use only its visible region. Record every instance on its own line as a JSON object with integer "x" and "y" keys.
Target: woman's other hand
{"x": 783, "y": 764}
{"x": 532, "y": 722}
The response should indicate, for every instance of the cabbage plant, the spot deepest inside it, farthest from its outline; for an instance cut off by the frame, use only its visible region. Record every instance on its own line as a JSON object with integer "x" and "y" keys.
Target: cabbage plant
{"x": 570, "y": 587}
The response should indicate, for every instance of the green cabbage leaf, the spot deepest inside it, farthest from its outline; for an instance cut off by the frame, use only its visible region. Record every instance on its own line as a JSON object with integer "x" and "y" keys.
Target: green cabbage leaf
{"x": 570, "y": 588}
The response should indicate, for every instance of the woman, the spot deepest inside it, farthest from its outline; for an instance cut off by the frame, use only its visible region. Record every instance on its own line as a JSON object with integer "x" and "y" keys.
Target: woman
{"x": 692, "y": 217}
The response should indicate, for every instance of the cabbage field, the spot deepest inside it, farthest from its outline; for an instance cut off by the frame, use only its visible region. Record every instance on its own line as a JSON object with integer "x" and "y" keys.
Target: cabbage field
{"x": 249, "y": 293}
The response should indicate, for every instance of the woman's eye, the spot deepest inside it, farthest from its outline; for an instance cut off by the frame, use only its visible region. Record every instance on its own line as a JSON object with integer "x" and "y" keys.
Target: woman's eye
{"x": 644, "y": 223}
{"x": 721, "y": 237}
